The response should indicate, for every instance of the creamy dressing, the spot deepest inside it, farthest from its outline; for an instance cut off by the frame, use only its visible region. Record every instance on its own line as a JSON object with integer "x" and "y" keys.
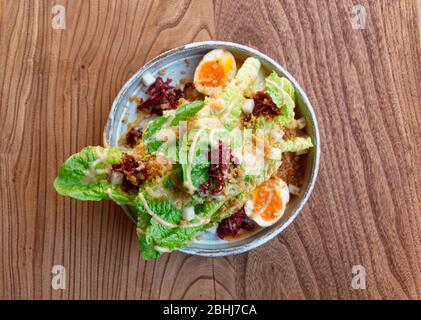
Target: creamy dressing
{"x": 155, "y": 193}
{"x": 162, "y": 249}
{"x": 188, "y": 183}
{"x": 92, "y": 172}
{"x": 201, "y": 222}
{"x": 109, "y": 192}
{"x": 154, "y": 215}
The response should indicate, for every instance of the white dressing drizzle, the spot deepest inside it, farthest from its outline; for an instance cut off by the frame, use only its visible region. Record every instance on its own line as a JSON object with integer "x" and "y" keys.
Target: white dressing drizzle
{"x": 188, "y": 183}
{"x": 201, "y": 222}
{"x": 92, "y": 172}
{"x": 154, "y": 215}
{"x": 162, "y": 249}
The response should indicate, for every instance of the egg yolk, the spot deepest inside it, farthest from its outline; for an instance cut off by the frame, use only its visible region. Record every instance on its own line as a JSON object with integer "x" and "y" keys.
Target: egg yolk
{"x": 261, "y": 197}
{"x": 267, "y": 200}
{"x": 211, "y": 74}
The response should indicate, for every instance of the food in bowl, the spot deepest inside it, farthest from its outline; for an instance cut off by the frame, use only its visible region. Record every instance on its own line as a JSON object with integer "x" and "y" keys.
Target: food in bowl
{"x": 225, "y": 149}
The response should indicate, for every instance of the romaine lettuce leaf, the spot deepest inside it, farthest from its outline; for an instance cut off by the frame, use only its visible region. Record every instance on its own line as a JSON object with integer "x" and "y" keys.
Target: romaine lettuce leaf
{"x": 147, "y": 251}
{"x": 247, "y": 74}
{"x": 182, "y": 113}
{"x": 296, "y": 144}
{"x": 283, "y": 95}
{"x": 159, "y": 224}
{"x": 187, "y": 111}
{"x": 161, "y": 207}
{"x": 85, "y": 176}
{"x": 230, "y": 207}
{"x": 208, "y": 208}
{"x": 233, "y": 101}
{"x": 194, "y": 159}
{"x": 170, "y": 238}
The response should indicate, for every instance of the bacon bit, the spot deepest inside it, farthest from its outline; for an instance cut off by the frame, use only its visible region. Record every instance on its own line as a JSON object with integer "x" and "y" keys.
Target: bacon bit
{"x": 136, "y": 171}
{"x": 232, "y": 225}
{"x": 162, "y": 96}
{"x": 187, "y": 62}
{"x": 218, "y": 172}
{"x": 264, "y": 105}
{"x": 183, "y": 72}
{"x": 134, "y": 137}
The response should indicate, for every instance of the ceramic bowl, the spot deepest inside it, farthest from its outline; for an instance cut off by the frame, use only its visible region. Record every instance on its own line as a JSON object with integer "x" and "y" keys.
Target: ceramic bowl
{"x": 174, "y": 62}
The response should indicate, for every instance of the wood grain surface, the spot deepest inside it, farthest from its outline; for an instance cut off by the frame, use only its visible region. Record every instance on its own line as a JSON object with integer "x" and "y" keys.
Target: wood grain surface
{"x": 56, "y": 89}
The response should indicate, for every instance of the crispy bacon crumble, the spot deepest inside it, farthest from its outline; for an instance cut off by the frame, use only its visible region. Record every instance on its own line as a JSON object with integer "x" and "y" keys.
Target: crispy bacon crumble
{"x": 232, "y": 225}
{"x": 134, "y": 137}
{"x": 218, "y": 171}
{"x": 264, "y": 105}
{"x": 162, "y": 96}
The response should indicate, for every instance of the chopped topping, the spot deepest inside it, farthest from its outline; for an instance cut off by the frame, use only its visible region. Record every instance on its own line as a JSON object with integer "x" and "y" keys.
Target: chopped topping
{"x": 135, "y": 171}
{"x": 264, "y": 105}
{"x": 232, "y": 225}
{"x": 188, "y": 213}
{"x": 162, "y": 96}
{"x": 134, "y": 137}
{"x": 248, "y": 106}
{"x": 148, "y": 79}
{"x": 116, "y": 178}
{"x": 218, "y": 171}
{"x": 293, "y": 189}
{"x": 301, "y": 123}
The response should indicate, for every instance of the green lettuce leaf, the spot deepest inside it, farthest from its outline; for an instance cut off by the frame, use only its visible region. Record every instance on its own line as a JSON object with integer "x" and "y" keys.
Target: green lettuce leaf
{"x": 247, "y": 74}
{"x": 85, "y": 176}
{"x": 147, "y": 251}
{"x": 187, "y": 111}
{"x": 182, "y": 113}
{"x": 170, "y": 238}
{"x": 162, "y": 207}
{"x": 296, "y": 144}
{"x": 208, "y": 208}
{"x": 167, "y": 236}
{"x": 283, "y": 95}
{"x": 194, "y": 160}
{"x": 230, "y": 207}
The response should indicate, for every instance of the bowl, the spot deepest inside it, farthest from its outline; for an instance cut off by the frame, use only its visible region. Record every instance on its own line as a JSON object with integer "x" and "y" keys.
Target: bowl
{"x": 180, "y": 63}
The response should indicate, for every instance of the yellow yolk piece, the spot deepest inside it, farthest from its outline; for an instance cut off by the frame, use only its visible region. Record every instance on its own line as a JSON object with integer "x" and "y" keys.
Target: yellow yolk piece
{"x": 273, "y": 208}
{"x": 211, "y": 74}
{"x": 261, "y": 197}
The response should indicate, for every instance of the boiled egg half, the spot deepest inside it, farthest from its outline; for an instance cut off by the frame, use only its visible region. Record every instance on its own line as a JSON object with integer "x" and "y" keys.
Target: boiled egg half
{"x": 267, "y": 202}
{"x": 216, "y": 69}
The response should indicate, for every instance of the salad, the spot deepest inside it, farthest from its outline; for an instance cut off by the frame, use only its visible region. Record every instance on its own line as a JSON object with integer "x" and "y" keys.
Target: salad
{"x": 224, "y": 151}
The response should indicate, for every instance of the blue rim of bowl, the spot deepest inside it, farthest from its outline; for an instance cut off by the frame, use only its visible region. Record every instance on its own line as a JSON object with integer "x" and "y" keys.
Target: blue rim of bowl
{"x": 209, "y": 45}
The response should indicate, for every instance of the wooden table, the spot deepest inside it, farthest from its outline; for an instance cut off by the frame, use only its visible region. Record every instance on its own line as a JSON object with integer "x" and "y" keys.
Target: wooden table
{"x": 57, "y": 86}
